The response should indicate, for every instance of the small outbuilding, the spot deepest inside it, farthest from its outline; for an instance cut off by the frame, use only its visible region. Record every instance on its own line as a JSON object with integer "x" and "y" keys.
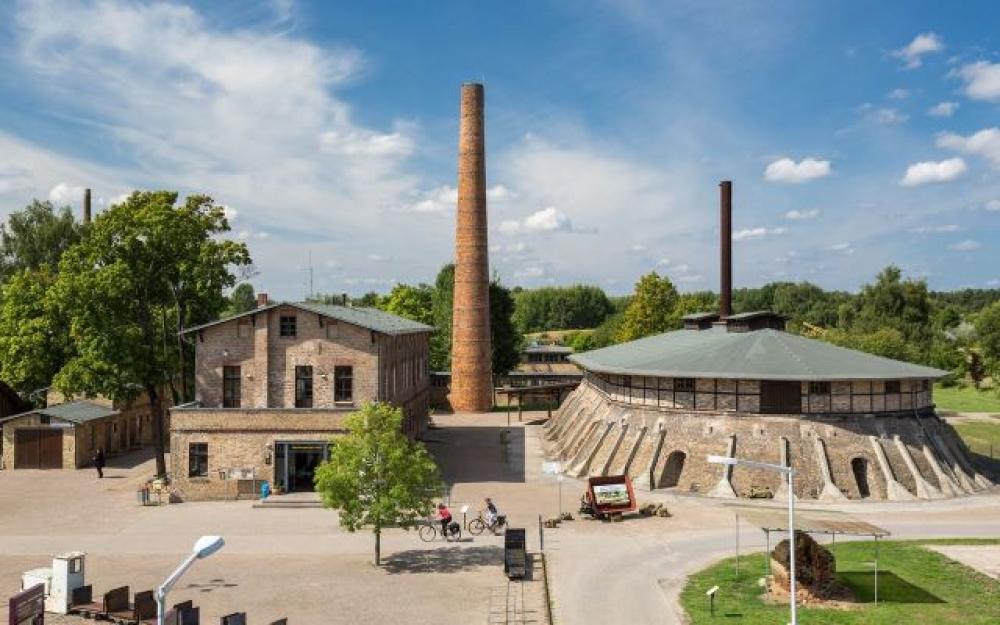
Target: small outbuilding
{"x": 66, "y": 435}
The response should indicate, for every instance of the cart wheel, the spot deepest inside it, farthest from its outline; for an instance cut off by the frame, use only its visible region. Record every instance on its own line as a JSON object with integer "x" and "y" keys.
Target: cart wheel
{"x": 476, "y": 527}
{"x": 454, "y": 536}
{"x": 427, "y": 533}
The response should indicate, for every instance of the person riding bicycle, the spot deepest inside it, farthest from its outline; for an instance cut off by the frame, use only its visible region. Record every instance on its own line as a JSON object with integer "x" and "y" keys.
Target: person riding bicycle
{"x": 491, "y": 513}
{"x": 444, "y": 515}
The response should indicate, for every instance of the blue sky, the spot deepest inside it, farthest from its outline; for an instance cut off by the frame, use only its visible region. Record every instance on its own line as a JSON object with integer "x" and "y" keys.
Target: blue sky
{"x": 857, "y": 134}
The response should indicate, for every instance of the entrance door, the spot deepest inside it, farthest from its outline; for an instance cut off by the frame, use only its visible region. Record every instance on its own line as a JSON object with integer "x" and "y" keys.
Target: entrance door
{"x": 296, "y": 465}
{"x": 39, "y": 448}
{"x": 780, "y": 397}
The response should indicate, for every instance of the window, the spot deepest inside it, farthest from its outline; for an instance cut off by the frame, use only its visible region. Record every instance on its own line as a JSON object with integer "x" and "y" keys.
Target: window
{"x": 343, "y": 384}
{"x": 819, "y": 388}
{"x": 230, "y": 387}
{"x": 286, "y": 327}
{"x": 303, "y": 387}
{"x": 684, "y": 384}
{"x": 891, "y": 386}
{"x": 198, "y": 460}
{"x": 44, "y": 419}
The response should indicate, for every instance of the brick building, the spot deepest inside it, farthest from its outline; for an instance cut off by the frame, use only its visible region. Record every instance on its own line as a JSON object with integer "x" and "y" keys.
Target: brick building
{"x": 273, "y": 386}
{"x": 66, "y": 434}
{"x": 853, "y": 425}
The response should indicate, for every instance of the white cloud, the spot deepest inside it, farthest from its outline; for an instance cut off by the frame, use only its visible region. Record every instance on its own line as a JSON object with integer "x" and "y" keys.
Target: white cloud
{"x": 966, "y": 246}
{"x": 366, "y": 143}
{"x": 898, "y": 94}
{"x": 787, "y": 170}
{"x": 942, "y": 228}
{"x": 796, "y": 214}
{"x": 378, "y": 258}
{"x": 690, "y": 277}
{"x": 663, "y": 262}
{"x": 443, "y": 199}
{"x": 943, "y": 109}
{"x": 982, "y": 80}
{"x": 757, "y": 233}
{"x": 530, "y": 272}
{"x": 993, "y": 206}
{"x": 888, "y": 116}
{"x": 637, "y": 248}
{"x": 230, "y": 213}
{"x": 927, "y": 172}
{"x": 842, "y": 248}
{"x": 63, "y": 194}
{"x": 546, "y": 220}
{"x": 499, "y": 193}
{"x": 912, "y": 53}
{"x": 985, "y": 143}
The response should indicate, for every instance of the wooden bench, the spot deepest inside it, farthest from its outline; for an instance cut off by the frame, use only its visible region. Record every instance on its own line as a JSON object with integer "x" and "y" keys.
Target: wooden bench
{"x": 113, "y": 601}
{"x": 141, "y": 610}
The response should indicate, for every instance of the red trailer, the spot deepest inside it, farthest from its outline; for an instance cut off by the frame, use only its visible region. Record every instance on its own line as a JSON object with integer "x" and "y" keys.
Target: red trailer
{"x": 608, "y": 496}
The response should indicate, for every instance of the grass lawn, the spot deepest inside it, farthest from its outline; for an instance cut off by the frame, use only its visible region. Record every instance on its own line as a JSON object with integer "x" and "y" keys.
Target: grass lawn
{"x": 966, "y": 399}
{"x": 916, "y": 587}
{"x": 982, "y": 437}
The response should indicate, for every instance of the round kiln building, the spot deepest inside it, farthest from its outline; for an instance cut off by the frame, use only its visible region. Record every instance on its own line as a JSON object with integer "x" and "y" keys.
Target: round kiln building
{"x": 853, "y": 425}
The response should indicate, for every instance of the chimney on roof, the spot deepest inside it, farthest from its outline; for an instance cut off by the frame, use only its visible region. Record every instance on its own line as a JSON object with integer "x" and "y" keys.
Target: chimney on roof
{"x": 261, "y": 300}
{"x": 725, "y": 248}
{"x": 86, "y": 206}
{"x": 344, "y": 300}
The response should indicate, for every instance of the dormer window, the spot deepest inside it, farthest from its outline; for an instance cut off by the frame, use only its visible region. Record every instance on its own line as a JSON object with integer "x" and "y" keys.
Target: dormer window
{"x": 286, "y": 327}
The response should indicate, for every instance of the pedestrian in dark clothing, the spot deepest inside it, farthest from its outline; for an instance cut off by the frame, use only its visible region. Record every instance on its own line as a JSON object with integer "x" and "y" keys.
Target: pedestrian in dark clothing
{"x": 99, "y": 462}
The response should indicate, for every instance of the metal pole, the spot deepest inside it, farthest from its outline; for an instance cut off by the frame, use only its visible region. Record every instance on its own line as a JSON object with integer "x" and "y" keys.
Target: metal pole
{"x": 559, "y": 478}
{"x": 876, "y": 569}
{"x": 767, "y": 553}
{"x": 791, "y": 546}
{"x": 737, "y": 545}
{"x": 541, "y": 534}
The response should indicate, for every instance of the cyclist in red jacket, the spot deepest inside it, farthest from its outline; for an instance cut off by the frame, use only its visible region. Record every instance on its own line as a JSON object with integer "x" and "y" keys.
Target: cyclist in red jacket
{"x": 444, "y": 515}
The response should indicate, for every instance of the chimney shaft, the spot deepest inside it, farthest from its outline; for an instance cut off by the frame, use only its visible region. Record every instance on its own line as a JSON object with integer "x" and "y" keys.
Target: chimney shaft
{"x": 261, "y": 300}
{"x": 86, "y": 206}
{"x": 726, "y": 248}
{"x": 471, "y": 375}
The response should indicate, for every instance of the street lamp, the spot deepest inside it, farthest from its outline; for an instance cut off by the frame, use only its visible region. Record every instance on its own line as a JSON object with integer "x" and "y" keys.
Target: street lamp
{"x": 206, "y": 546}
{"x": 789, "y": 473}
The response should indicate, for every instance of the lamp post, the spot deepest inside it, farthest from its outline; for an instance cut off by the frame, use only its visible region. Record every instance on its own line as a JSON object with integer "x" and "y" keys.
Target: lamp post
{"x": 206, "y": 546}
{"x": 789, "y": 473}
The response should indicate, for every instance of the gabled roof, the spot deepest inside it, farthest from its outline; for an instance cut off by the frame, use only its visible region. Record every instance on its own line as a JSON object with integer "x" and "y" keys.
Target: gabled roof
{"x": 77, "y": 411}
{"x": 758, "y": 355}
{"x": 369, "y": 318}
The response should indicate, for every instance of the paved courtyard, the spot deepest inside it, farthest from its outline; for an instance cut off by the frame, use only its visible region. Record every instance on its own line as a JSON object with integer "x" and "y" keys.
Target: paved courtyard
{"x": 298, "y": 563}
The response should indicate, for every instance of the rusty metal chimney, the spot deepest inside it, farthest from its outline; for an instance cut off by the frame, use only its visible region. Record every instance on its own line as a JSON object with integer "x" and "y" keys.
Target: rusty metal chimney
{"x": 86, "y": 206}
{"x": 725, "y": 248}
{"x": 471, "y": 375}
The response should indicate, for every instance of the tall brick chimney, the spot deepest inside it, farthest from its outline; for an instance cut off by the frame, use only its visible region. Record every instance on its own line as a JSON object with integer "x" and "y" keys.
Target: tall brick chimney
{"x": 725, "y": 248}
{"x": 471, "y": 375}
{"x": 86, "y": 206}
{"x": 261, "y": 300}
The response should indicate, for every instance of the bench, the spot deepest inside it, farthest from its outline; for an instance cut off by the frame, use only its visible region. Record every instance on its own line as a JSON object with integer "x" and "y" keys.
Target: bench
{"x": 142, "y": 609}
{"x": 113, "y": 601}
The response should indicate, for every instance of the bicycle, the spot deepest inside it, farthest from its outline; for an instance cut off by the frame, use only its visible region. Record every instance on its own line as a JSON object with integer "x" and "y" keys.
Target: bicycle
{"x": 479, "y": 525}
{"x": 431, "y": 529}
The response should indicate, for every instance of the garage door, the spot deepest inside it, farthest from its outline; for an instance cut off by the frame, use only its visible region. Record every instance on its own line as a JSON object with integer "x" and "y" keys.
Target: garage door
{"x": 38, "y": 448}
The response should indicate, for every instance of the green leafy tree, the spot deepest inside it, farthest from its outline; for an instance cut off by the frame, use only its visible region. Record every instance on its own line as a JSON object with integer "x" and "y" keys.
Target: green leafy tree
{"x": 144, "y": 268}
{"x": 371, "y": 299}
{"x": 505, "y": 337}
{"x": 652, "y": 310}
{"x": 442, "y": 303}
{"x": 902, "y": 305}
{"x": 242, "y": 299}
{"x": 988, "y": 331}
{"x": 560, "y": 308}
{"x": 375, "y": 476}
{"x": 411, "y": 302}
{"x": 34, "y": 335}
{"x": 35, "y": 236}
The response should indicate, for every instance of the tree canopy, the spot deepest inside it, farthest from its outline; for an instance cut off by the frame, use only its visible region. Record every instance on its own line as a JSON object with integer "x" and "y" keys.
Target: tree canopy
{"x": 376, "y": 477}
{"x": 241, "y": 299}
{"x": 145, "y": 267}
{"x": 652, "y": 310}
{"x": 560, "y": 308}
{"x": 36, "y": 236}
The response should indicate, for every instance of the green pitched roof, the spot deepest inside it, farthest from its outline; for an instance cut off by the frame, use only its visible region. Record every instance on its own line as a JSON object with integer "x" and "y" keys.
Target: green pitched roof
{"x": 78, "y": 411}
{"x": 759, "y": 355}
{"x": 370, "y": 318}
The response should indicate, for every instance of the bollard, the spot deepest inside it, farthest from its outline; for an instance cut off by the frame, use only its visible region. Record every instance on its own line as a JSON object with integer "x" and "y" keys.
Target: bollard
{"x": 711, "y": 599}
{"x": 541, "y": 534}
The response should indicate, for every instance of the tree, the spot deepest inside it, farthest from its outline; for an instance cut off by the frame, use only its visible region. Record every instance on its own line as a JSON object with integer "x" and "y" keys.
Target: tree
{"x": 411, "y": 302}
{"x": 988, "y": 331}
{"x": 242, "y": 299}
{"x": 36, "y": 236}
{"x": 34, "y": 335}
{"x": 442, "y": 304}
{"x": 903, "y": 305}
{"x": 560, "y": 308}
{"x": 375, "y": 476}
{"x": 505, "y": 338}
{"x": 145, "y": 267}
{"x": 653, "y": 309}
